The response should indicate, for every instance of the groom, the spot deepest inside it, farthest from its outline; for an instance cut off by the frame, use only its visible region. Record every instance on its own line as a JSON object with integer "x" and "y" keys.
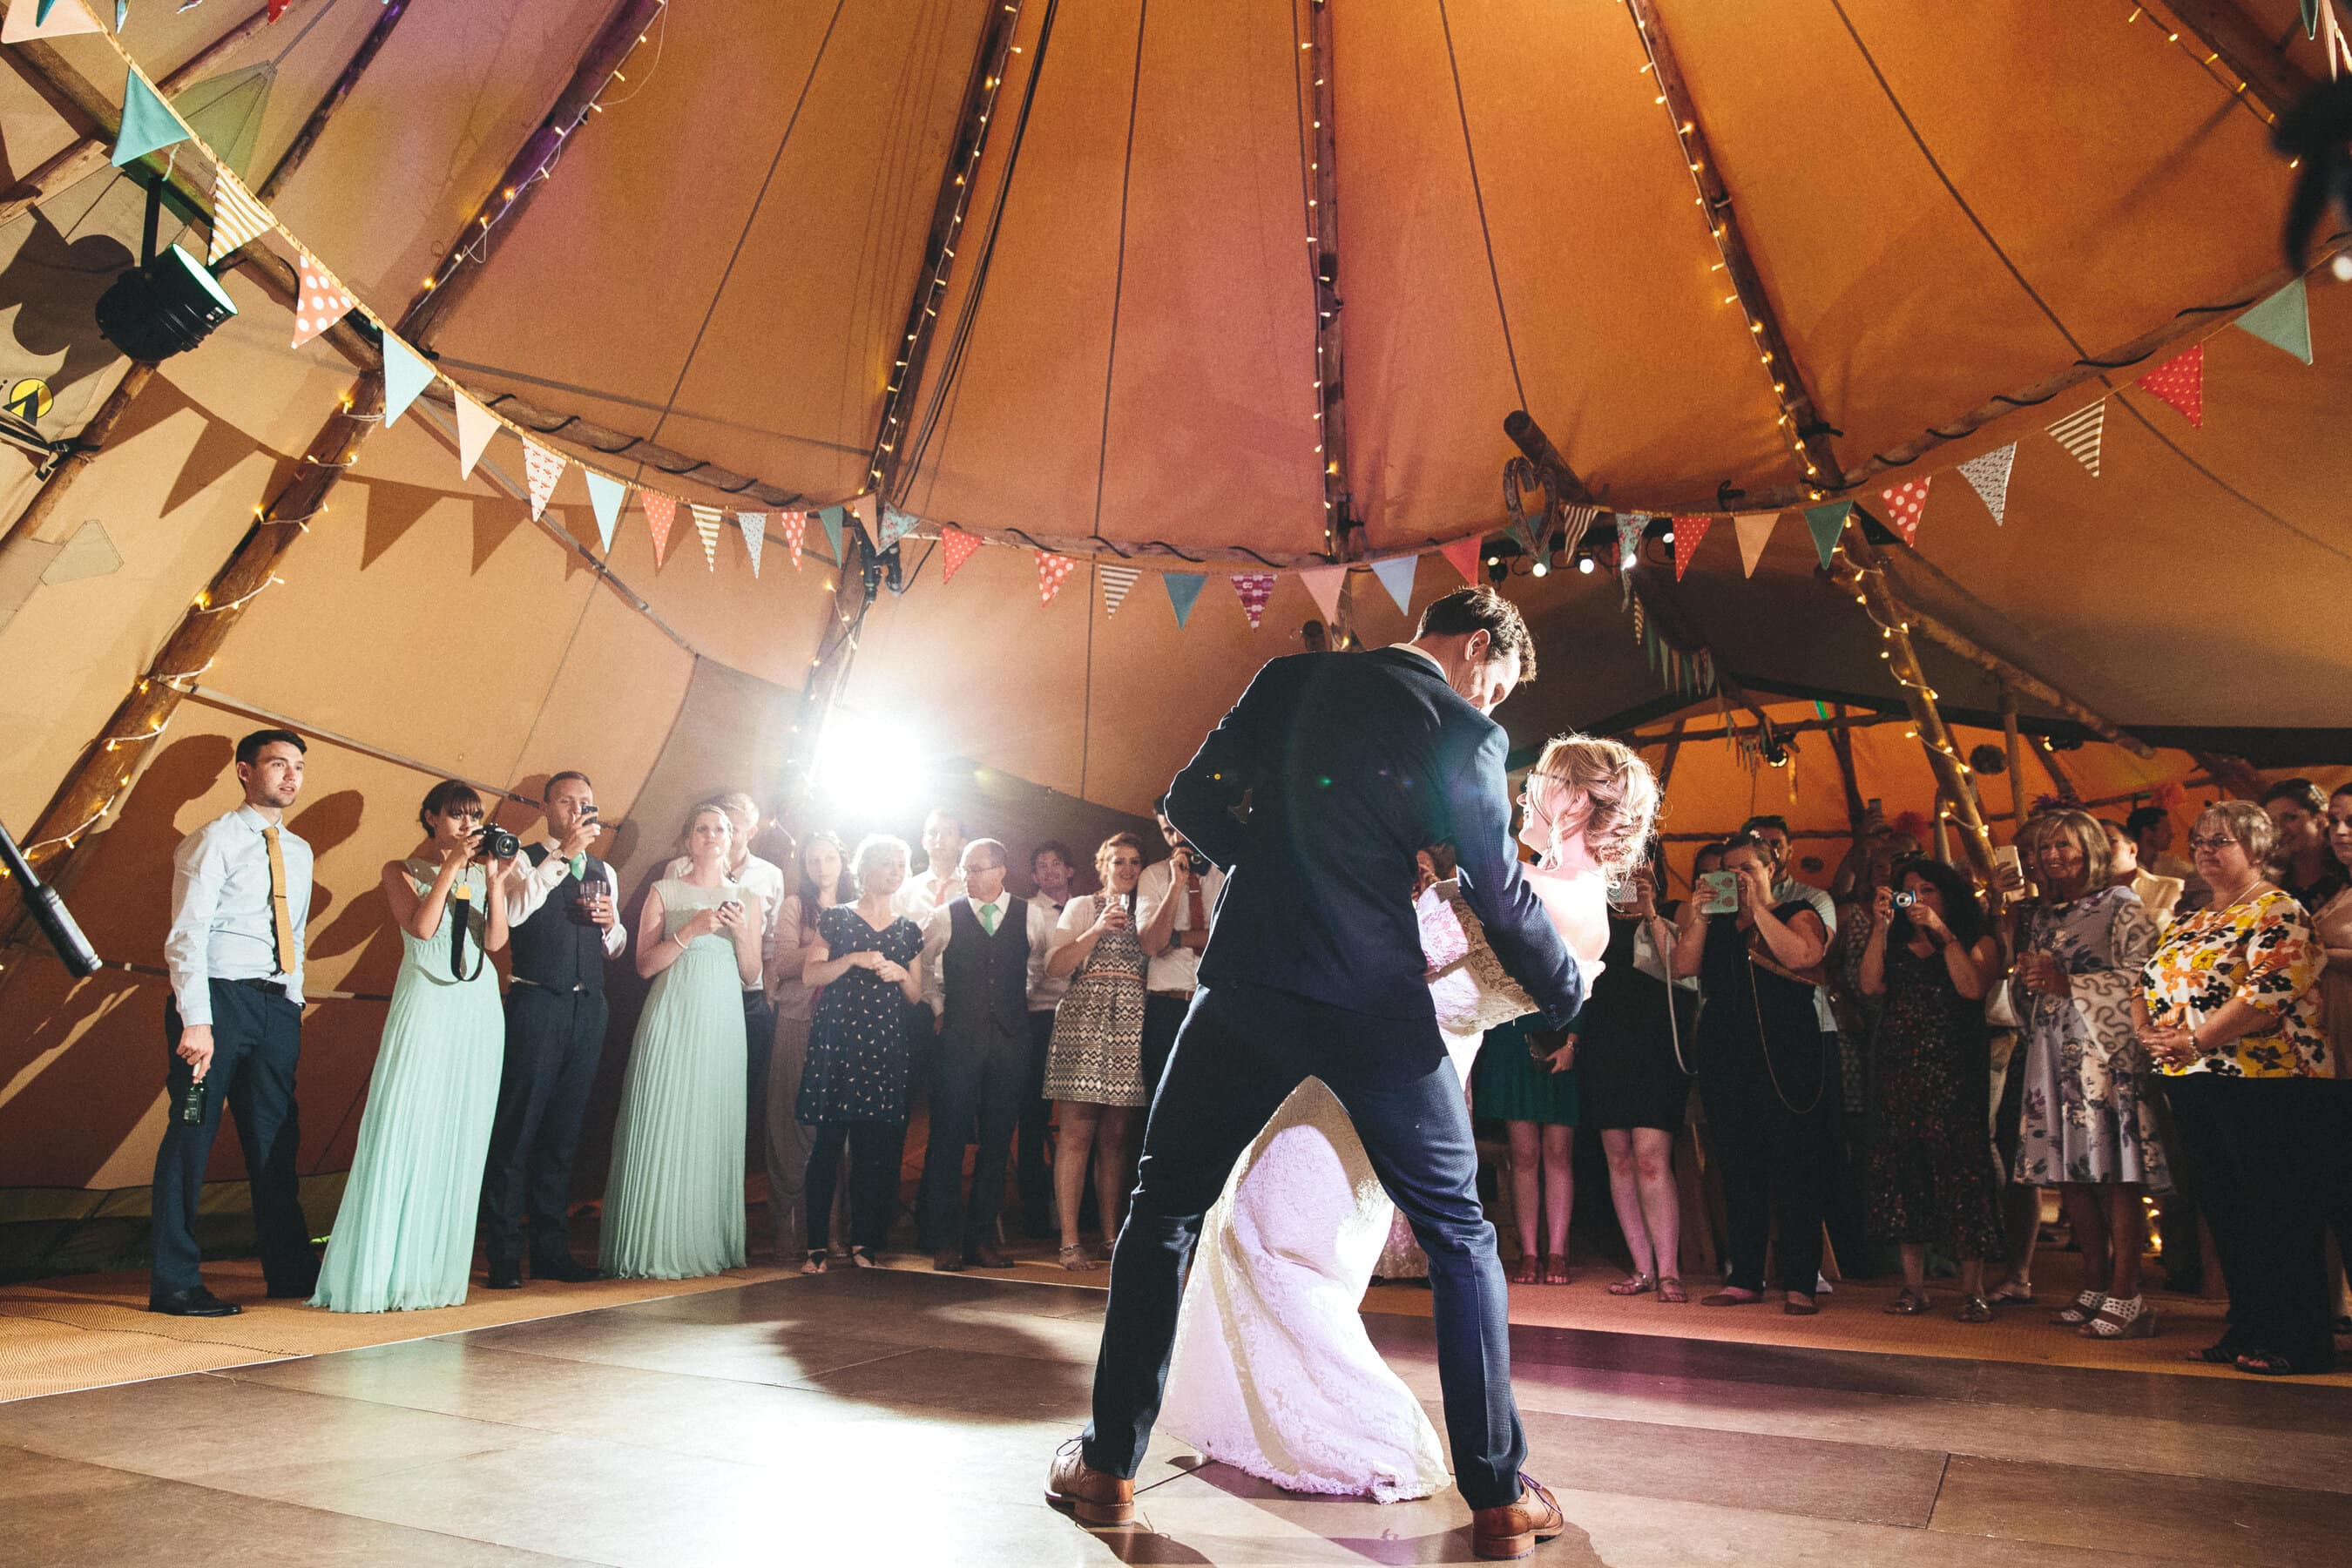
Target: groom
{"x": 1346, "y": 764}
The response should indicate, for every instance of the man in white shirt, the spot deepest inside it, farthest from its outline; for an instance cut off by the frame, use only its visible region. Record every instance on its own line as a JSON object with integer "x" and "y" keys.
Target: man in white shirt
{"x": 1054, "y": 868}
{"x": 2159, "y": 895}
{"x": 746, "y": 870}
{"x": 1173, "y": 900}
{"x": 240, "y": 899}
{"x": 982, "y": 954}
{"x": 942, "y": 878}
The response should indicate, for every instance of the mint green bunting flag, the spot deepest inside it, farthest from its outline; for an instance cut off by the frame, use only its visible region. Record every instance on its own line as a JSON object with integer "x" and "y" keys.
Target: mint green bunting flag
{"x": 605, "y": 493}
{"x": 1183, "y": 588}
{"x": 1397, "y": 577}
{"x": 225, "y": 112}
{"x": 831, "y": 517}
{"x": 148, "y": 121}
{"x": 1827, "y": 522}
{"x": 2311, "y": 18}
{"x": 406, "y": 374}
{"x": 2284, "y": 321}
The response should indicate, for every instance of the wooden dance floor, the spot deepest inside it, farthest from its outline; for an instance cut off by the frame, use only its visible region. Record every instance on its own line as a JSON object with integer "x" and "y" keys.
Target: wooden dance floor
{"x": 888, "y": 1417}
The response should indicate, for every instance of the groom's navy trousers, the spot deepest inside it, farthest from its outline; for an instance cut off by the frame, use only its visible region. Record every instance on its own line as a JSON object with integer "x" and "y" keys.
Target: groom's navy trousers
{"x": 1242, "y": 1050}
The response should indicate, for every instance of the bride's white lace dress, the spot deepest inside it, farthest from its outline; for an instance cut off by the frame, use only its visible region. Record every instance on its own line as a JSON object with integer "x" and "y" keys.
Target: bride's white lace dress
{"x": 1272, "y": 1371}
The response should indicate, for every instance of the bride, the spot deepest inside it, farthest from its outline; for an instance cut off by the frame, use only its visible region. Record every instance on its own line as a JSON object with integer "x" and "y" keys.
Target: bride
{"x": 1272, "y": 1371}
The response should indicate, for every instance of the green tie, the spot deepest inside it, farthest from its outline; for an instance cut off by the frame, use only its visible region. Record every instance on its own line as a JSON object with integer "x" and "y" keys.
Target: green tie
{"x": 988, "y": 918}
{"x": 580, "y": 865}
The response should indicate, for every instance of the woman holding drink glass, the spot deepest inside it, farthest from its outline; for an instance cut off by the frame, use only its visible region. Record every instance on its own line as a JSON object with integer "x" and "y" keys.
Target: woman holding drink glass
{"x": 1094, "y": 1068}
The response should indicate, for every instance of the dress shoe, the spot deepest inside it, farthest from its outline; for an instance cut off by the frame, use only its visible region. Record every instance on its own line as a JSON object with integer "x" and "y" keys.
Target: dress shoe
{"x": 566, "y": 1270}
{"x": 1089, "y": 1495}
{"x": 948, "y": 1260}
{"x": 295, "y": 1289}
{"x": 1513, "y": 1528}
{"x": 981, "y": 1254}
{"x": 194, "y": 1302}
{"x": 504, "y": 1277}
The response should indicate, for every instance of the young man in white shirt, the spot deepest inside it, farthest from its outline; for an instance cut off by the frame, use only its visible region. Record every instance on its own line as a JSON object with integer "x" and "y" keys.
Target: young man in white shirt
{"x": 240, "y": 899}
{"x": 1174, "y": 901}
{"x": 1054, "y": 868}
{"x": 942, "y": 878}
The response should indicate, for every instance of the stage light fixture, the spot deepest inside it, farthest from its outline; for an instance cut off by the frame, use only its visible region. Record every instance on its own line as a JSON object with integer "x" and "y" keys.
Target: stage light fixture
{"x": 1584, "y": 561}
{"x": 1542, "y": 567}
{"x": 164, "y": 306}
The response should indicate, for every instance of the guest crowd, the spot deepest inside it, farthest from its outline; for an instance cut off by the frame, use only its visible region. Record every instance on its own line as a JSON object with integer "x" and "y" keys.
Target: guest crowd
{"x": 1901, "y": 1061}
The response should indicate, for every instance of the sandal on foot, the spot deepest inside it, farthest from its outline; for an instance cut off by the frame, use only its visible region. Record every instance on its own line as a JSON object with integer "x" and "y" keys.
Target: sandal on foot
{"x": 815, "y": 1264}
{"x": 1907, "y": 1303}
{"x": 1732, "y": 1296}
{"x": 1632, "y": 1285}
{"x": 2266, "y": 1363}
{"x": 1555, "y": 1268}
{"x": 1671, "y": 1291}
{"x": 1800, "y": 1305}
{"x": 1075, "y": 1258}
{"x": 2013, "y": 1293}
{"x": 863, "y": 1257}
{"x": 1974, "y": 1310}
{"x": 2085, "y": 1308}
{"x": 1527, "y": 1271}
{"x": 2220, "y": 1355}
{"x": 2122, "y": 1317}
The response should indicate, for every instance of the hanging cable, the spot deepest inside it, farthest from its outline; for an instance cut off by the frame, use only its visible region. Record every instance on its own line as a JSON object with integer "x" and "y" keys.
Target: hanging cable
{"x": 1463, "y": 108}
{"x": 1118, "y": 272}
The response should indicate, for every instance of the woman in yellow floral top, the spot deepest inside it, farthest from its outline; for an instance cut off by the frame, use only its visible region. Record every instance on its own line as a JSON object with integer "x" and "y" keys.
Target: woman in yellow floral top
{"x": 2229, "y": 1011}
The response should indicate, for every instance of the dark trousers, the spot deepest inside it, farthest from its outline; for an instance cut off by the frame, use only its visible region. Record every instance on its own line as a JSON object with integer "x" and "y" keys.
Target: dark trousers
{"x": 1163, "y": 1015}
{"x": 1031, "y": 1174}
{"x": 256, "y": 1041}
{"x": 1772, "y": 1160}
{"x": 1243, "y": 1048}
{"x": 554, "y": 1039}
{"x": 874, "y": 1149}
{"x": 980, "y": 1081}
{"x": 2249, "y": 1142}
{"x": 759, "y": 1045}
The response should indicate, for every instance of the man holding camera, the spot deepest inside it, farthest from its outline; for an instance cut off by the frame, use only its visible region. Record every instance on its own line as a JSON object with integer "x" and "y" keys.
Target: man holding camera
{"x": 564, "y": 918}
{"x": 1174, "y": 900}
{"x": 240, "y": 897}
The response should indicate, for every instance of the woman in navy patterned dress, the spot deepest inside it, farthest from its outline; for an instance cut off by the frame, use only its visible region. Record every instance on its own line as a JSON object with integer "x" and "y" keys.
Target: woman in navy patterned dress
{"x": 855, "y": 1087}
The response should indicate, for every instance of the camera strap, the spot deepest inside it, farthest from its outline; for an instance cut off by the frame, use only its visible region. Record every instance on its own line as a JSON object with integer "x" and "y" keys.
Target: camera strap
{"x": 460, "y": 905}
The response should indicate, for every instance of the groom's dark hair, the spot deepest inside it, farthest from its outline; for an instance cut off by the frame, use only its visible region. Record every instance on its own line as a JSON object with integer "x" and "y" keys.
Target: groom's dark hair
{"x": 1468, "y": 610}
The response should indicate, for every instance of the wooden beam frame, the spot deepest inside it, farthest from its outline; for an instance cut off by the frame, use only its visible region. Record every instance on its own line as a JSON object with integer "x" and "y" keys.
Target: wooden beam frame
{"x": 1342, "y": 539}
{"x": 2272, "y": 79}
{"x": 297, "y": 152}
{"x": 1841, "y": 733}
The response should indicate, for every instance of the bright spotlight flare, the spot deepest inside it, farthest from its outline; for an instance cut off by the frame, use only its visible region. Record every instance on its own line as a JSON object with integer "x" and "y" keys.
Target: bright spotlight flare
{"x": 877, "y": 765}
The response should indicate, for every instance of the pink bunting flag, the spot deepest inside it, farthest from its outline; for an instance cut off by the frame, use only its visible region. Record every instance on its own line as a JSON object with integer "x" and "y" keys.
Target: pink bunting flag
{"x": 1255, "y": 588}
{"x": 542, "y": 469}
{"x": 661, "y": 511}
{"x": 1051, "y": 571}
{"x": 1689, "y": 529}
{"x": 1903, "y": 504}
{"x": 1325, "y": 583}
{"x": 2180, "y": 380}
{"x": 796, "y": 526}
{"x": 1464, "y": 555}
{"x": 320, "y": 300}
{"x": 1755, "y": 531}
{"x": 955, "y": 548}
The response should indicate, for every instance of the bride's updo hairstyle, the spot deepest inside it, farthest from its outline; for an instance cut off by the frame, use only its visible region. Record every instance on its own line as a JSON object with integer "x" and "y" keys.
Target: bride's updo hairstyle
{"x": 1623, "y": 791}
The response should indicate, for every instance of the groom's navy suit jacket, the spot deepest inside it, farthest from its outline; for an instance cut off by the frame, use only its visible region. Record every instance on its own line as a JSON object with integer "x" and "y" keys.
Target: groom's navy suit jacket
{"x": 1352, "y": 762}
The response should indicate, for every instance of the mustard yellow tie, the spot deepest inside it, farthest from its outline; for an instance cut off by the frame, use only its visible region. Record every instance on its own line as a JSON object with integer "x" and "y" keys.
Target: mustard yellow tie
{"x": 281, "y": 919}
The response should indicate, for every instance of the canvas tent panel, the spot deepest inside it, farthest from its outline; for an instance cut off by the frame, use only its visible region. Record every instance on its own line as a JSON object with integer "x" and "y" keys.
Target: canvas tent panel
{"x": 609, "y": 708}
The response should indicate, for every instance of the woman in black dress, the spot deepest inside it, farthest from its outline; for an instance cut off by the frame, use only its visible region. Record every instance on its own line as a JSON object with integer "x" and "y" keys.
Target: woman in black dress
{"x": 1932, "y": 1181}
{"x": 1762, "y": 1077}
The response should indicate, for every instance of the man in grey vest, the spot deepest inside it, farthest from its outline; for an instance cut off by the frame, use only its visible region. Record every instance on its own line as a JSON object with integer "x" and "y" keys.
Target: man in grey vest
{"x": 981, "y": 955}
{"x": 561, "y": 909}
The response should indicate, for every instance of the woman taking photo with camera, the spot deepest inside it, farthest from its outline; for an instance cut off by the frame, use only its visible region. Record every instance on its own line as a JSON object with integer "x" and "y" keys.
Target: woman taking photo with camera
{"x": 405, "y": 1234}
{"x": 1094, "y": 1069}
{"x": 673, "y": 1201}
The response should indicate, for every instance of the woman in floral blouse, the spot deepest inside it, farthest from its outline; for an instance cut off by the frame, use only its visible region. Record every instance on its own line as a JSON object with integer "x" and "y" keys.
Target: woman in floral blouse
{"x": 2229, "y": 1008}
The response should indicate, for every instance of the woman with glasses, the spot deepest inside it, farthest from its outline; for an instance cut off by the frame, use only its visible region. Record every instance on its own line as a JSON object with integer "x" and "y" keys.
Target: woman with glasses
{"x": 2229, "y": 1008}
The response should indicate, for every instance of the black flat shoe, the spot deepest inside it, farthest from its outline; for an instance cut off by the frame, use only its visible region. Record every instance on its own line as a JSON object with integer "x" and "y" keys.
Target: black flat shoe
{"x": 565, "y": 1271}
{"x": 504, "y": 1277}
{"x": 194, "y": 1302}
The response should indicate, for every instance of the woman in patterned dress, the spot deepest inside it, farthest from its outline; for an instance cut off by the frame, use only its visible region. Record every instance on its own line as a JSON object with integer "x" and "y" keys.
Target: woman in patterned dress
{"x": 2229, "y": 1008}
{"x": 1094, "y": 1068}
{"x": 2333, "y": 920}
{"x": 2089, "y": 1126}
{"x": 855, "y": 1084}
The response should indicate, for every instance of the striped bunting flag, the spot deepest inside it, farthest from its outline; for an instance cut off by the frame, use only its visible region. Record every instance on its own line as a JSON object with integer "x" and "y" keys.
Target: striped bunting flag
{"x": 1117, "y": 581}
{"x": 754, "y": 525}
{"x": 239, "y": 219}
{"x": 1574, "y": 521}
{"x": 706, "y": 524}
{"x": 2080, "y": 433}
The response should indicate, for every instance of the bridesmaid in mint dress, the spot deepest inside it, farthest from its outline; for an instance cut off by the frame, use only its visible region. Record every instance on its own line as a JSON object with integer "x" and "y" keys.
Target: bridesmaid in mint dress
{"x": 673, "y": 1201}
{"x": 405, "y": 1234}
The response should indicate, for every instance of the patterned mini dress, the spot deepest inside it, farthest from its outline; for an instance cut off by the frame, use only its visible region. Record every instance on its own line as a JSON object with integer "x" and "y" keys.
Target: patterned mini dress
{"x": 1097, "y": 1055}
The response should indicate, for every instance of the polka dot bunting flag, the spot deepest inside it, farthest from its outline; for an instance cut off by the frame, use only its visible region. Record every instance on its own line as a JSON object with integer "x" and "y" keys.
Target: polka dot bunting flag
{"x": 795, "y": 528}
{"x": 1255, "y": 588}
{"x": 661, "y": 511}
{"x": 324, "y": 301}
{"x": 1903, "y": 504}
{"x": 2180, "y": 380}
{"x": 956, "y": 547}
{"x": 1689, "y": 529}
{"x": 1051, "y": 569}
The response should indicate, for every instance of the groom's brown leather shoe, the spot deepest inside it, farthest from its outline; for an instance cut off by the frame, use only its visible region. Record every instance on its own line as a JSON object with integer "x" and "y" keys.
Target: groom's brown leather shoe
{"x": 1513, "y": 1528}
{"x": 1094, "y": 1497}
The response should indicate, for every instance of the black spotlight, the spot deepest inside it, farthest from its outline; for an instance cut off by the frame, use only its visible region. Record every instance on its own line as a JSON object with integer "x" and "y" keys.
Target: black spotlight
{"x": 164, "y": 306}
{"x": 893, "y": 577}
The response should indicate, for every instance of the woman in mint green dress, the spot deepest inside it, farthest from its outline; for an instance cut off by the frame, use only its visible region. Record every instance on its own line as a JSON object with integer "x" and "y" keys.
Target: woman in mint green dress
{"x": 673, "y": 1201}
{"x": 405, "y": 1234}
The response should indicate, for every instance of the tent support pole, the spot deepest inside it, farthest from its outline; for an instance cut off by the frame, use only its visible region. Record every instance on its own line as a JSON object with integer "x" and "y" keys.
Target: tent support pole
{"x": 98, "y": 779}
{"x": 2058, "y": 779}
{"x": 828, "y": 676}
{"x": 1342, "y": 540}
{"x": 2272, "y": 79}
{"x": 2016, "y": 758}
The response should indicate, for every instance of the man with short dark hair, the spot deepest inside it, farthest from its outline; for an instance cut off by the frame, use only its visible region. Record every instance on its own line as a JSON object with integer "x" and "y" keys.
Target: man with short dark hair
{"x": 941, "y": 882}
{"x": 2149, "y": 828}
{"x": 564, "y": 923}
{"x": 240, "y": 899}
{"x": 1054, "y": 868}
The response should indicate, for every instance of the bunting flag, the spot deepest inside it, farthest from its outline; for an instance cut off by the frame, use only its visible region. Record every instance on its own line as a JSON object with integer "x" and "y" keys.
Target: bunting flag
{"x": 238, "y": 218}
{"x": 868, "y": 510}
{"x": 831, "y": 517}
{"x": 1574, "y": 521}
{"x": 1825, "y": 522}
{"x": 148, "y": 122}
{"x": 30, "y": 19}
{"x": 121, "y": 12}
{"x": 1755, "y": 531}
{"x": 956, "y": 547}
{"x": 1989, "y": 477}
{"x": 1183, "y": 590}
{"x": 2080, "y": 433}
{"x": 1324, "y": 582}
{"x": 896, "y": 525}
{"x": 605, "y": 495}
{"x": 323, "y": 302}
{"x": 406, "y": 372}
{"x": 1628, "y": 551}
{"x": 706, "y": 524}
{"x": 661, "y": 511}
{"x": 795, "y": 528}
{"x": 476, "y": 425}
{"x": 2284, "y": 321}
{"x": 1903, "y": 504}
{"x": 1118, "y": 582}
{"x": 1051, "y": 569}
{"x": 1464, "y": 554}
{"x": 1689, "y": 529}
{"x": 540, "y": 469}
{"x": 1397, "y": 577}
{"x": 1253, "y": 589}
{"x": 2180, "y": 380}
{"x": 277, "y": 8}
{"x": 754, "y": 527}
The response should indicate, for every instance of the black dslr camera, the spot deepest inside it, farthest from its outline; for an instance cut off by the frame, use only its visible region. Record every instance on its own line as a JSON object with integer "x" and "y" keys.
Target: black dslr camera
{"x": 497, "y": 844}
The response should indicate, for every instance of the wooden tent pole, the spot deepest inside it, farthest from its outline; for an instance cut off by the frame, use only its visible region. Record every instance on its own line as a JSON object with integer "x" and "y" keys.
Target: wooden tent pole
{"x": 2016, "y": 757}
{"x": 97, "y": 780}
{"x": 1322, "y": 178}
{"x": 2058, "y": 779}
{"x": 90, "y": 152}
{"x": 2272, "y": 79}
{"x": 299, "y": 150}
{"x": 83, "y": 450}
{"x": 1840, "y": 731}
{"x": 2233, "y": 775}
